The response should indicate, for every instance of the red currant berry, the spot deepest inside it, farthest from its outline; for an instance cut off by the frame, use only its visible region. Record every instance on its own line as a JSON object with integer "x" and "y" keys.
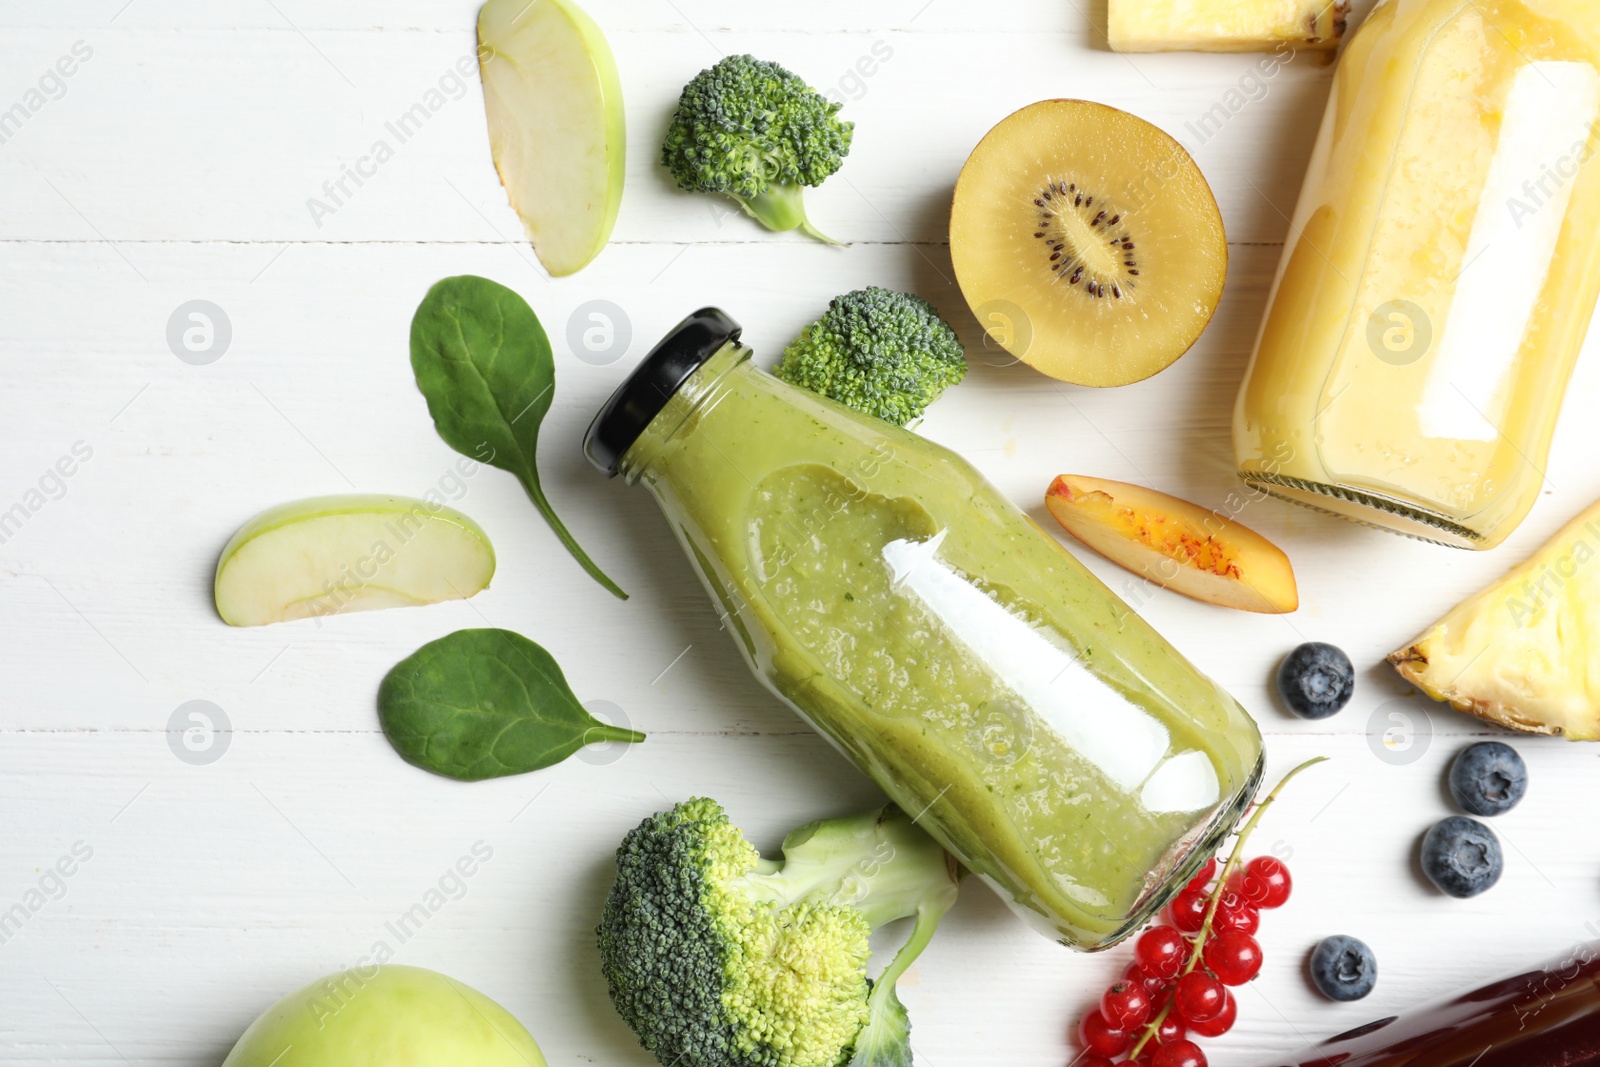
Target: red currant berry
{"x": 1160, "y": 952}
{"x": 1189, "y": 911}
{"x": 1125, "y": 1005}
{"x": 1171, "y": 1029}
{"x": 1180, "y": 1054}
{"x": 1096, "y": 1035}
{"x": 1199, "y": 997}
{"x": 1273, "y": 881}
{"x": 1152, "y": 985}
{"x": 1233, "y": 957}
{"x": 1203, "y": 877}
{"x": 1222, "y": 1023}
{"x": 1236, "y": 913}
{"x": 1090, "y": 1059}
{"x": 1241, "y": 887}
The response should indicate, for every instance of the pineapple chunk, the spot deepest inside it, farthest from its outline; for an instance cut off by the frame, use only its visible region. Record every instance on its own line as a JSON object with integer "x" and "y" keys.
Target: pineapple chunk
{"x": 1524, "y": 652}
{"x": 1225, "y": 25}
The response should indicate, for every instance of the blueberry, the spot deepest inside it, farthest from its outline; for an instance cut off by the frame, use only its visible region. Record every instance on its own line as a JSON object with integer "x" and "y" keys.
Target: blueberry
{"x": 1488, "y": 778}
{"x": 1461, "y": 856}
{"x": 1316, "y": 680}
{"x": 1343, "y": 968}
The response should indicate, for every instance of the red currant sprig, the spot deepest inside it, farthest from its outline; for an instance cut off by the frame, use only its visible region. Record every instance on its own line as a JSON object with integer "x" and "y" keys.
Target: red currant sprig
{"x": 1177, "y": 985}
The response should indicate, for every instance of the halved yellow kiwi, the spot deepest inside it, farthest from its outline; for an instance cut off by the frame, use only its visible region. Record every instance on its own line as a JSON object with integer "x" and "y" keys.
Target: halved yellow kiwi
{"x": 1087, "y": 242}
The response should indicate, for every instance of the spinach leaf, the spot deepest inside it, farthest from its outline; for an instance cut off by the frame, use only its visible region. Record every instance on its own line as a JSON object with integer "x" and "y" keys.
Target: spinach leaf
{"x": 485, "y": 703}
{"x": 483, "y": 362}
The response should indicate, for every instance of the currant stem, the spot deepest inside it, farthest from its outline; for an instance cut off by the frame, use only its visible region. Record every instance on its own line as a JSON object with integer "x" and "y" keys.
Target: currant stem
{"x": 1234, "y": 859}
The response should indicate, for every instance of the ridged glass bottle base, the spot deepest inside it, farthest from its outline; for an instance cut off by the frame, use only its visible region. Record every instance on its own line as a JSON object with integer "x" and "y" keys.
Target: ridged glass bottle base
{"x": 1367, "y": 508}
{"x": 1204, "y": 847}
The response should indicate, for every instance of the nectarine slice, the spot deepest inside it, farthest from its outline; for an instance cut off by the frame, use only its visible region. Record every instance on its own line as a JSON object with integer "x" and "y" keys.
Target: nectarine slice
{"x": 1175, "y": 544}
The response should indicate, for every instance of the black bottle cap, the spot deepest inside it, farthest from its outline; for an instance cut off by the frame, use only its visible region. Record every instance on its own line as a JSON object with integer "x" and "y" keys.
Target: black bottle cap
{"x": 646, "y": 391}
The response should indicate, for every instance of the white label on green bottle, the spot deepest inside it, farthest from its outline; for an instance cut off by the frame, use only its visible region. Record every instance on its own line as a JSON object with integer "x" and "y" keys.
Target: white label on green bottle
{"x": 1119, "y": 737}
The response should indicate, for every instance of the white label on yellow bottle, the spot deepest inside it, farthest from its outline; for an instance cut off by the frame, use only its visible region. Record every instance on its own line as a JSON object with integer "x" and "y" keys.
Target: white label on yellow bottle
{"x": 1549, "y": 112}
{"x": 1124, "y": 741}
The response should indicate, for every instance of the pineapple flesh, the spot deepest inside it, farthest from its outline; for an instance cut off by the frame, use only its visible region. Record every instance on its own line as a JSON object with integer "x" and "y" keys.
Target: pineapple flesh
{"x": 1525, "y": 652}
{"x": 1225, "y": 25}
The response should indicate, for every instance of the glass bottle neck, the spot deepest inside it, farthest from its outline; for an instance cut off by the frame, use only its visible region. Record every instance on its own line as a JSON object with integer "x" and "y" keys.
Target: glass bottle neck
{"x": 699, "y": 392}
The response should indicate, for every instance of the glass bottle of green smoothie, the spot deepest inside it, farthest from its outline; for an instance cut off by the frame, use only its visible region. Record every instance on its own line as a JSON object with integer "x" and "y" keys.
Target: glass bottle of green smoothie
{"x": 992, "y": 686}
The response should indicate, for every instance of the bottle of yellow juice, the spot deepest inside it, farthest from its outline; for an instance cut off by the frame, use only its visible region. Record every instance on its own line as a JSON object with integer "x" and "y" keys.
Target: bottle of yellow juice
{"x": 1439, "y": 274}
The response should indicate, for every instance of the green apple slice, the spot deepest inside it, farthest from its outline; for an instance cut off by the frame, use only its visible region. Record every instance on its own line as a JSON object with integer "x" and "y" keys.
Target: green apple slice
{"x": 554, "y": 103}
{"x": 334, "y": 554}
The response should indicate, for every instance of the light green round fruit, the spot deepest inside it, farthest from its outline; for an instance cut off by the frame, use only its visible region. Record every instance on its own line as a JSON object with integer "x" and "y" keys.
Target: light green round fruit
{"x": 386, "y": 1016}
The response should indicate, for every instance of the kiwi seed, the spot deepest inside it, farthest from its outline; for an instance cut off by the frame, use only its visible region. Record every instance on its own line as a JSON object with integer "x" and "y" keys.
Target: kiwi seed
{"x": 1073, "y": 228}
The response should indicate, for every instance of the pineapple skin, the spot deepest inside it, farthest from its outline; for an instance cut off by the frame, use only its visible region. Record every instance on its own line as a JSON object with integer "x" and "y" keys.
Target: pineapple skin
{"x": 1525, "y": 652}
{"x": 1225, "y": 25}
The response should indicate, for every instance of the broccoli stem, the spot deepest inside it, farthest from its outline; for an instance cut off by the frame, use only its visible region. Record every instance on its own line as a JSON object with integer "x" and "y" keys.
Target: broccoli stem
{"x": 880, "y": 863}
{"x": 782, "y": 208}
{"x": 921, "y": 933}
{"x": 886, "y": 1039}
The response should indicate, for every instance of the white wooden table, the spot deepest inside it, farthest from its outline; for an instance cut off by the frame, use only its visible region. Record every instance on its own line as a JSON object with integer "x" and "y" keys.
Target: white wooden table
{"x": 175, "y": 164}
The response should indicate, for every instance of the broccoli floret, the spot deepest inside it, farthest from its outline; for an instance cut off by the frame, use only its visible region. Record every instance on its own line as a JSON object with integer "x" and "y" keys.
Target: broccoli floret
{"x": 881, "y": 352}
{"x": 719, "y": 958}
{"x": 758, "y": 133}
